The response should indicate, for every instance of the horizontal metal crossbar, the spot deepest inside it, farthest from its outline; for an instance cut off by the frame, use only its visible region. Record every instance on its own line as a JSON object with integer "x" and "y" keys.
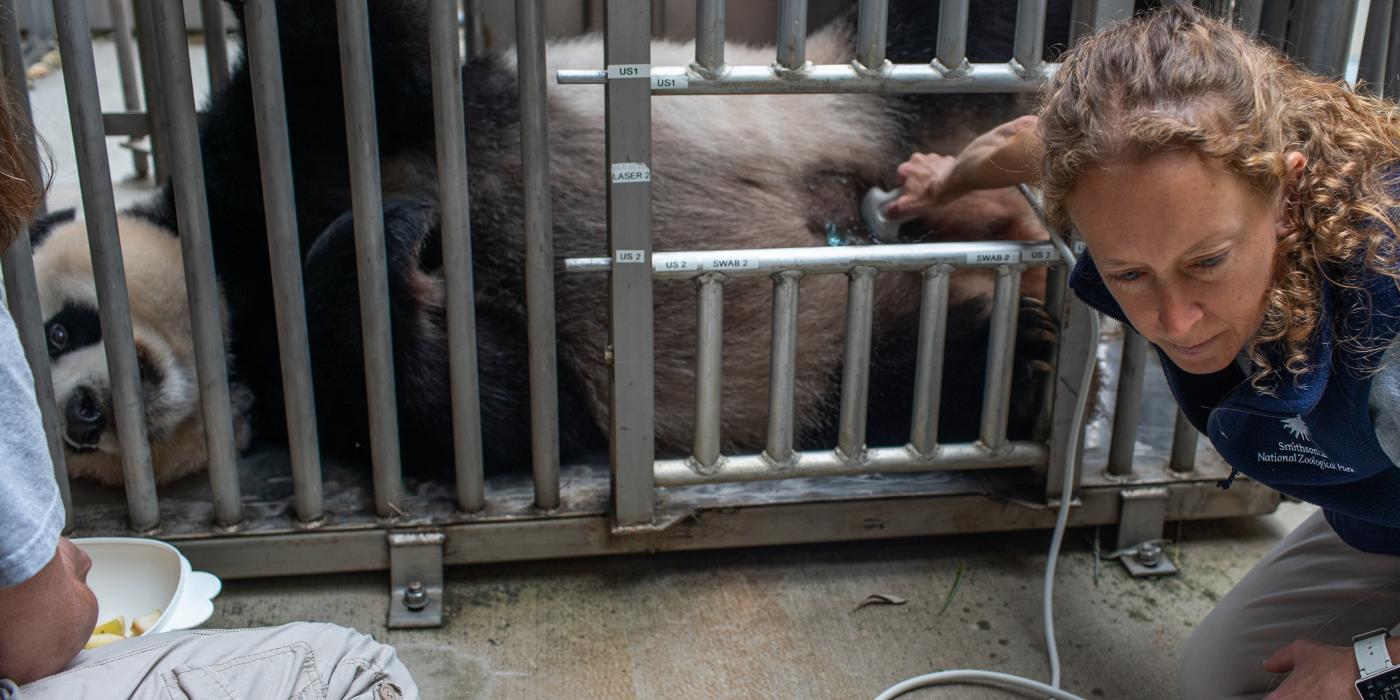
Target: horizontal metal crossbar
{"x": 910, "y": 257}
{"x": 891, "y": 78}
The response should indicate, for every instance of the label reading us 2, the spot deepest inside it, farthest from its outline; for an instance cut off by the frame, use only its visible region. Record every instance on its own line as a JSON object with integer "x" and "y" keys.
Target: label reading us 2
{"x": 623, "y": 173}
{"x": 998, "y": 258}
{"x": 630, "y": 256}
{"x": 626, "y": 71}
{"x": 1041, "y": 255}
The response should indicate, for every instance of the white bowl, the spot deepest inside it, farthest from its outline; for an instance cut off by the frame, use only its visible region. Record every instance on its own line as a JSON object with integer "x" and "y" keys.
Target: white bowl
{"x": 132, "y": 576}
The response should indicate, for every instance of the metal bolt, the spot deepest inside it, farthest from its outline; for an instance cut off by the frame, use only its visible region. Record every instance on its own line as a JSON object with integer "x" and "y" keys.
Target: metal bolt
{"x": 415, "y": 597}
{"x": 1149, "y": 554}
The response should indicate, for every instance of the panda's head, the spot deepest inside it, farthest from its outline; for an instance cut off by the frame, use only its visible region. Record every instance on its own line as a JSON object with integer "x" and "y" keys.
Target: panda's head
{"x": 160, "y": 320}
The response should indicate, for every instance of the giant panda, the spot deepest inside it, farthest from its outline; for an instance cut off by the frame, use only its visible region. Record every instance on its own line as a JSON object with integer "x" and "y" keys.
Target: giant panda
{"x": 728, "y": 172}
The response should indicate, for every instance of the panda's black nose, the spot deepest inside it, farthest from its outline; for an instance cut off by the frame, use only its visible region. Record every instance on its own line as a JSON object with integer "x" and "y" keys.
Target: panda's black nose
{"x": 84, "y": 417}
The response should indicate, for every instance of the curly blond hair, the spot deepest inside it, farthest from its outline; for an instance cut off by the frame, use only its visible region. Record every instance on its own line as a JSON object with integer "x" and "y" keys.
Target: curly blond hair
{"x": 1177, "y": 79}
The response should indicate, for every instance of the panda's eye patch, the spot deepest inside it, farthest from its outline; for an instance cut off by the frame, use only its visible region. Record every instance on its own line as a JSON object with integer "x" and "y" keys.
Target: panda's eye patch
{"x": 72, "y": 328}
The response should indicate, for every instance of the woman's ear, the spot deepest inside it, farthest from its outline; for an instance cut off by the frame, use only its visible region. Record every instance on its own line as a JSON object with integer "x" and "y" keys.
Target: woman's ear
{"x": 1293, "y": 164}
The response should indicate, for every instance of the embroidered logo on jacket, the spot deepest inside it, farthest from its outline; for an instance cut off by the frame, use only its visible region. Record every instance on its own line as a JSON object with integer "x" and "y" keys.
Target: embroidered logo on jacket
{"x": 1298, "y": 453}
{"x": 1297, "y": 428}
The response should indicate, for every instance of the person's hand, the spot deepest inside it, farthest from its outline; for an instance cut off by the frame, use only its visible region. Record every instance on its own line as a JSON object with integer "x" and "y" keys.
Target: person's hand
{"x": 47, "y": 619}
{"x": 1315, "y": 672}
{"x": 924, "y": 178}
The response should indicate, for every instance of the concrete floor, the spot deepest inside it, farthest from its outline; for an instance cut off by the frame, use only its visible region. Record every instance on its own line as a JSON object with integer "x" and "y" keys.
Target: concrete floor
{"x": 760, "y": 623}
{"x": 779, "y": 622}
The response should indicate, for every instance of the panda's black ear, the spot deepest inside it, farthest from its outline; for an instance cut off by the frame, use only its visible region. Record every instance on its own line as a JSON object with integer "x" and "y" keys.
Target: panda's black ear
{"x": 44, "y": 225}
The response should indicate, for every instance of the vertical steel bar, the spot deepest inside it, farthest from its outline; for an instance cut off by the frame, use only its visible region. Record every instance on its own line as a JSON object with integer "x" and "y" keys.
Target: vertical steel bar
{"x": 1375, "y": 47}
{"x": 201, "y": 286}
{"x": 17, "y": 265}
{"x": 1030, "y": 35}
{"x": 126, "y": 53}
{"x": 792, "y": 34}
{"x": 782, "y": 367}
{"x": 1326, "y": 42}
{"x": 633, "y": 391}
{"x": 352, "y": 17}
{"x": 928, "y": 373}
{"x": 1001, "y": 347}
{"x": 1127, "y": 408}
{"x": 289, "y": 303}
{"x": 1184, "y": 438}
{"x": 1392, "y": 66}
{"x": 952, "y": 36}
{"x": 100, "y": 211}
{"x": 1273, "y": 23}
{"x": 215, "y": 42}
{"x": 709, "y": 368}
{"x": 450, "y": 124}
{"x": 709, "y": 35}
{"x": 539, "y": 253}
{"x": 475, "y": 29}
{"x": 1248, "y": 14}
{"x": 150, "y": 86}
{"x": 871, "y": 32}
{"x": 855, "y": 372}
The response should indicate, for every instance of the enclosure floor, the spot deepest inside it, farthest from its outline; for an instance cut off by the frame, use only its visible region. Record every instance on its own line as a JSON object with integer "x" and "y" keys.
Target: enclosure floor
{"x": 779, "y": 622}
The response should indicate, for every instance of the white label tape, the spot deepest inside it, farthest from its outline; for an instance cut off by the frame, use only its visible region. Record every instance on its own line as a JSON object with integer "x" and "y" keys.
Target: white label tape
{"x": 1001, "y": 258}
{"x": 677, "y": 265}
{"x": 623, "y": 173}
{"x": 670, "y": 82}
{"x": 722, "y": 264}
{"x": 1041, "y": 255}
{"x": 630, "y": 256}
{"x": 626, "y": 71}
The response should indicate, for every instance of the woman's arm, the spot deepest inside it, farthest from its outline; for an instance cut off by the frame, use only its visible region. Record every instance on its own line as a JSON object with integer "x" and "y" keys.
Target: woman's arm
{"x": 1007, "y": 155}
{"x": 45, "y": 621}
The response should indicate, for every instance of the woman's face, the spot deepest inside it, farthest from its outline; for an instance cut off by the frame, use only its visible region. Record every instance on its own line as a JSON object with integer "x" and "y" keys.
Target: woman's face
{"x": 1186, "y": 248}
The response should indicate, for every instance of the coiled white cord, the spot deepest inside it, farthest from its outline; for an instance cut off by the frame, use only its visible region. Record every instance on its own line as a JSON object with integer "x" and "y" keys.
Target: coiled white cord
{"x": 1061, "y": 520}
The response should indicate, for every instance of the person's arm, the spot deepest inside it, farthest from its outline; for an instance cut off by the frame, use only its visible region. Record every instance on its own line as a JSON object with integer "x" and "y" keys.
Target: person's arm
{"x": 45, "y": 620}
{"x": 1008, "y": 155}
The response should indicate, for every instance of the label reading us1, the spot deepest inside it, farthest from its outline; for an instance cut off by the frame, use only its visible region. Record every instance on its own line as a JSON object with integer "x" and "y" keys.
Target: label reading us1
{"x": 999, "y": 258}
{"x": 623, "y": 173}
{"x": 630, "y": 256}
{"x": 625, "y": 71}
{"x": 670, "y": 82}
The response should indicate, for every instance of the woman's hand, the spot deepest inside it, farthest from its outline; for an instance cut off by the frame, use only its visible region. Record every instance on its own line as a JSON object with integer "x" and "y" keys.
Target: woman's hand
{"x": 1005, "y": 156}
{"x": 1315, "y": 671}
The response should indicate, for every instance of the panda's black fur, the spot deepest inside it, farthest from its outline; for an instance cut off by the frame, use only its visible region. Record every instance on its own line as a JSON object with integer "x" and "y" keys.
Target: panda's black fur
{"x": 401, "y": 77}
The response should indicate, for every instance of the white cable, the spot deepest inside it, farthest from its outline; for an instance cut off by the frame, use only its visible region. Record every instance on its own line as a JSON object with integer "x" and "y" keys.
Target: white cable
{"x": 1061, "y": 520}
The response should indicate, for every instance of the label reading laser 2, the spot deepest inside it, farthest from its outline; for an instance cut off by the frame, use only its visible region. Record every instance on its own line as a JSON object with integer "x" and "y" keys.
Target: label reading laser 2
{"x": 998, "y": 258}
{"x": 630, "y": 256}
{"x": 623, "y": 173}
{"x": 626, "y": 71}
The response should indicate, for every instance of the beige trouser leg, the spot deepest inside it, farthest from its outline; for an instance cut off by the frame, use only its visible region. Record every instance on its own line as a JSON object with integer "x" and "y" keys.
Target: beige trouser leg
{"x": 1311, "y": 586}
{"x": 299, "y": 660}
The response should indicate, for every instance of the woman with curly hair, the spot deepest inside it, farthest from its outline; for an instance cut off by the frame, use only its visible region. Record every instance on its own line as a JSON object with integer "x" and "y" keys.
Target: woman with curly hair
{"x": 1240, "y": 213}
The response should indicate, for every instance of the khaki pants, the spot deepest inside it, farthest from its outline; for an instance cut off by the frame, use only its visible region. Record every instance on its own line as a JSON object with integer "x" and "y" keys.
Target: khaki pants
{"x": 299, "y": 660}
{"x": 1311, "y": 586}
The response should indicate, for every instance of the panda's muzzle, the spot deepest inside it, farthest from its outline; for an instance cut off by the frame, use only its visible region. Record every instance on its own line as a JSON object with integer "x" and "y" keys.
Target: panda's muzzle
{"x": 85, "y": 420}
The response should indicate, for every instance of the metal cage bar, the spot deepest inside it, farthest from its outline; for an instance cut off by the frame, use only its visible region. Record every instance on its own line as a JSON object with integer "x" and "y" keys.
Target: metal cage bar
{"x": 1184, "y": 439}
{"x": 1375, "y": 48}
{"x": 215, "y": 42}
{"x": 782, "y": 367}
{"x": 539, "y": 250}
{"x": 872, "y": 28}
{"x": 952, "y": 37}
{"x": 792, "y": 34}
{"x": 1030, "y": 36}
{"x": 1248, "y": 14}
{"x": 855, "y": 372}
{"x": 632, "y": 380}
{"x": 875, "y": 460}
{"x": 1001, "y": 352}
{"x": 113, "y": 307}
{"x": 821, "y": 79}
{"x": 1325, "y": 45}
{"x": 709, "y": 368}
{"x": 126, "y": 65}
{"x": 17, "y": 264}
{"x": 928, "y": 372}
{"x": 357, "y": 78}
{"x": 830, "y": 260}
{"x": 709, "y": 36}
{"x": 264, "y": 53}
{"x": 1127, "y": 407}
{"x": 150, "y": 86}
{"x": 450, "y": 125}
{"x": 201, "y": 286}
